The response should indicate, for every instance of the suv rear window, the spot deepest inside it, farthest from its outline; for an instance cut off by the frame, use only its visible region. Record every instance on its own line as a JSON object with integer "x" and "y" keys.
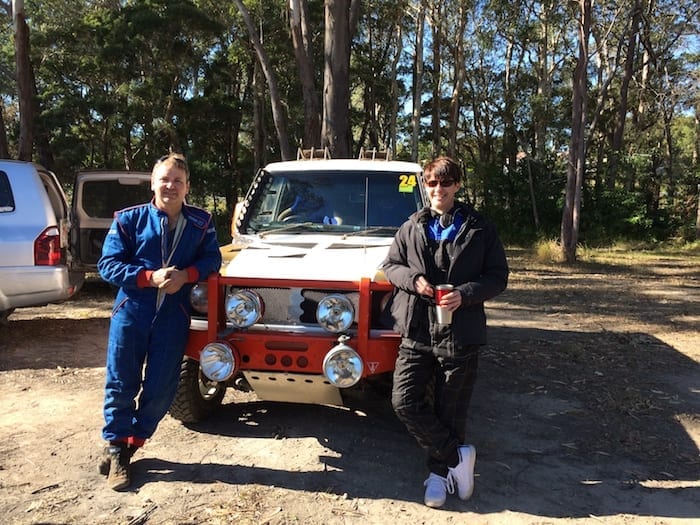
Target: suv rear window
{"x": 7, "y": 201}
{"x": 102, "y": 198}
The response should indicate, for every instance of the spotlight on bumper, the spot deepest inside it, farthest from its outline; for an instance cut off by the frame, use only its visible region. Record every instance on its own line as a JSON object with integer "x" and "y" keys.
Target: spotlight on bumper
{"x": 199, "y": 298}
{"x": 218, "y": 361}
{"x": 244, "y": 308}
{"x": 342, "y": 366}
{"x": 335, "y": 313}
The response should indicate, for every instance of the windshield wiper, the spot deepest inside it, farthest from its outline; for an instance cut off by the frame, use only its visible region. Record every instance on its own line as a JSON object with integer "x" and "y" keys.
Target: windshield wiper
{"x": 285, "y": 228}
{"x": 372, "y": 229}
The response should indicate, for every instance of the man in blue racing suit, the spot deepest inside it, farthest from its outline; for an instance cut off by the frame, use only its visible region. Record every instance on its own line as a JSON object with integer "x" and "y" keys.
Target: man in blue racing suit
{"x": 154, "y": 253}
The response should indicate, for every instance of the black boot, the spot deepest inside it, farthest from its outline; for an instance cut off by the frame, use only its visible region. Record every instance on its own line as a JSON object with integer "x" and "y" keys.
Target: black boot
{"x": 119, "y": 475}
{"x": 106, "y": 459}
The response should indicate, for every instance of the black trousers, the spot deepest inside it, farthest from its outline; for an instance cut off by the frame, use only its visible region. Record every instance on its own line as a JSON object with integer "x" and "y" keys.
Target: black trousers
{"x": 431, "y": 395}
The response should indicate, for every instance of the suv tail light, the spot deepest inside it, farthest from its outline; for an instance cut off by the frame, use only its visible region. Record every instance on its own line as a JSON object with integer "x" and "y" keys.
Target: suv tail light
{"x": 47, "y": 248}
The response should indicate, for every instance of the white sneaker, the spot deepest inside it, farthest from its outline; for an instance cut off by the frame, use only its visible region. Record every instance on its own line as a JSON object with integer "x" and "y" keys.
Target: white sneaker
{"x": 436, "y": 488}
{"x": 463, "y": 474}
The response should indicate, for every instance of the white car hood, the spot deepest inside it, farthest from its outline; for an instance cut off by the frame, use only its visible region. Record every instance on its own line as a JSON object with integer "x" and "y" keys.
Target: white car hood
{"x": 312, "y": 257}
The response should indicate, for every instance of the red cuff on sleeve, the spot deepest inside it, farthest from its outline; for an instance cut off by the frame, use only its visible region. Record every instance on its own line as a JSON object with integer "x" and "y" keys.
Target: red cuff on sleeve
{"x": 192, "y": 274}
{"x": 143, "y": 279}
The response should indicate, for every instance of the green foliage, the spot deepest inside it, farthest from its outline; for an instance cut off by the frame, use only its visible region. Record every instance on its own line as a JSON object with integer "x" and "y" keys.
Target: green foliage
{"x": 120, "y": 83}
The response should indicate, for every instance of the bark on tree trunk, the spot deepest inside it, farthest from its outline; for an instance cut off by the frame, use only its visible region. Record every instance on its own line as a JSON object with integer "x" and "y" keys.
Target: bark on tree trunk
{"x": 457, "y": 87}
{"x": 4, "y": 145}
{"x": 697, "y": 217}
{"x": 24, "y": 82}
{"x": 417, "y": 82}
{"x": 298, "y": 22}
{"x": 577, "y": 148}
{"x": 259, "y": 131}
{"x": 621, "y": 117}
{"x": 275, "y": 101}
{"x": 437, "y": 77}
{"x": 335, "y": 130}
{"x": 391, "y": 140}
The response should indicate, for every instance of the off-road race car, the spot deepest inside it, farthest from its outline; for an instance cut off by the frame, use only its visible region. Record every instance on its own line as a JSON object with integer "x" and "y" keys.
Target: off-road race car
{"x": 299, "y": 314}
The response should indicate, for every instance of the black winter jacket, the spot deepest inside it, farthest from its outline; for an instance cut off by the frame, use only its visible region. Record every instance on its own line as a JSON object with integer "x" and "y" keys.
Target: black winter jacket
{"x": 478, "y": 269}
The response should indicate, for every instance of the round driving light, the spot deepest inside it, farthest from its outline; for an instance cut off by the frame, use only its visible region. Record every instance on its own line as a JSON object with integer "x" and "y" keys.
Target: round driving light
{"x": 244, "y": 308}
{"x": 218, "y": 361}
{"x": 199, "y": 298}
{"x": 335, "y": 313}
{"x": 342, "y": 366}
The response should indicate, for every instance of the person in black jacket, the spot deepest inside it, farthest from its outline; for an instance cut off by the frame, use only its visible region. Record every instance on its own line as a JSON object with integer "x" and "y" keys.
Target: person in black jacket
{"x": 446, "y": 243}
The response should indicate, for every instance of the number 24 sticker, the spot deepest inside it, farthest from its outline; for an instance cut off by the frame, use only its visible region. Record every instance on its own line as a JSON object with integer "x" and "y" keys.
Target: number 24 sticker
{"x": 407, "y": 183}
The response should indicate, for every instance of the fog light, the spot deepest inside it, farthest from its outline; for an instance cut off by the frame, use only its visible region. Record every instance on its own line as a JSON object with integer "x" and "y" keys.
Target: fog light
{"x": 342, "y": 366}
{"x": 244, "y": 308}
{"x": 218, "y": 361}
{"x": 335, "y": 313}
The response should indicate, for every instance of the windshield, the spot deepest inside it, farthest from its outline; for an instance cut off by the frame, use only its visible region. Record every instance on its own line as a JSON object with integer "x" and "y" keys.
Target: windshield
{"x": 340, "y": 201}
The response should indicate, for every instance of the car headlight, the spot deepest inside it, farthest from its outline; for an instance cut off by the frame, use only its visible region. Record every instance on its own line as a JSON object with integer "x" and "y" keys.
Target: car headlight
{"x": 342, "y": 366}
{"x": 335, "y": 313}
{"x": 199, "y": 298}
{"x": 218, "y": 361}
{"x": 244, "y": 308}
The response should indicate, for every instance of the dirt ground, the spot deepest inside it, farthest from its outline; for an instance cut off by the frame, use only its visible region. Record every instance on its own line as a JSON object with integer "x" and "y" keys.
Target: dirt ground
{"x": 586, "y": 410}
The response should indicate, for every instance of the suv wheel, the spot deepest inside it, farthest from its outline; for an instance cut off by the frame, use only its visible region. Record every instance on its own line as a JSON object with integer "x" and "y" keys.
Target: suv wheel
{"x": 197, "y": 396}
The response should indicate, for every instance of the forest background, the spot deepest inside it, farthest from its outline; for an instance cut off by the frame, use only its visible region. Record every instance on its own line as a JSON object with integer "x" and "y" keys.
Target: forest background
{"x": 576, "y": 121}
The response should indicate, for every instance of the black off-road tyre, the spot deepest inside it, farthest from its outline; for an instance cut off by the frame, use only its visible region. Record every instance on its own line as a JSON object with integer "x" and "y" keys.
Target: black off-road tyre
{"x": 197, "y": 396}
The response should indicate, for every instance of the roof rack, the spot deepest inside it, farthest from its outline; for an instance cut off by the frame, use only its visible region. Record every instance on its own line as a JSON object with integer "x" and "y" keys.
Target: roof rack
{"x": 374, "y": 154}
{"x": 313, "y": 153}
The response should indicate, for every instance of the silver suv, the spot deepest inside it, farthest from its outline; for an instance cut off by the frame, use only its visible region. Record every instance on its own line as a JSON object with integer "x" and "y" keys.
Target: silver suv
{"x": 34, "y": 225}
{"x": 46, "y": 248}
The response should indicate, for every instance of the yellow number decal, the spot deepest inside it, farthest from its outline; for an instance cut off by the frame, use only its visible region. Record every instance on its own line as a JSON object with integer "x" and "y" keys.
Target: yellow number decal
{"x": 407, "y": 183}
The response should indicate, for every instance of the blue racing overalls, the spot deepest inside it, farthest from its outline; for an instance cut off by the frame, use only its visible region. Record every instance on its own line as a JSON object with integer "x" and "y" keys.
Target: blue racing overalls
{"x": 148, "y": 328}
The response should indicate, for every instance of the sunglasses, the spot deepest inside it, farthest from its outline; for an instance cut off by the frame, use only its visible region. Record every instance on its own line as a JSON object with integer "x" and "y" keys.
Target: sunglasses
{"x": 442, "y": 183}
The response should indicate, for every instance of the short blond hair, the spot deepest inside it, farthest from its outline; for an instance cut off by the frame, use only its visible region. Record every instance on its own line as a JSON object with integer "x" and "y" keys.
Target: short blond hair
{"x": 174, "y": 159}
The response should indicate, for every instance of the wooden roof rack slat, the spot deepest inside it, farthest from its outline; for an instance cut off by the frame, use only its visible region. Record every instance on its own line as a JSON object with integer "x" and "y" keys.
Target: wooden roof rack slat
{"x": 313, "y": 153}
{"x": 374, "y": 154}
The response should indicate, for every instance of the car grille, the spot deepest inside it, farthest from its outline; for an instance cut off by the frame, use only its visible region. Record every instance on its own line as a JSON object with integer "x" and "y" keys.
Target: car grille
{"x": 297, "y": 306}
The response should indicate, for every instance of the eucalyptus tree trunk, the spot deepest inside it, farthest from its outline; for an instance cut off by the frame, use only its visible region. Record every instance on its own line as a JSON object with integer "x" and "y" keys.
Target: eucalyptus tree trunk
{"x": 335, "y": 129}
{"x": 4, "y": 145}
{"x": 458, "y": 83}
{"x": 696, "y": 162}
{"x": 628, "y": 72}
{"x": 436, "y": 18}
{"x": 391, "y": 139}
{"x": 275, "y": 101}
{"x": 417, "y": 81}
{"x": 301, "y": 41}
{"x": 259, "y": 127}
{"x": 577, "y": 148}
{"x": 545, "y": 67}
{"x": 25, "y": 87}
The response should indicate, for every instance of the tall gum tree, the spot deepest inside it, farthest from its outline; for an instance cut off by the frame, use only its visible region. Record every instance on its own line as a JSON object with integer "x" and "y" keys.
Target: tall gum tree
{"x": 278, "y": 115}
{"x": 340, "y": 19}
{"x": 24, "y": 81}
{"x": 303, "y": 53}
{"x": 577, "y": 146}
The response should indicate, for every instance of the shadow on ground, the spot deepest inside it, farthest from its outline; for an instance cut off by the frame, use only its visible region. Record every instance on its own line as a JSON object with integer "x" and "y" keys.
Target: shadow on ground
{"x": 566, "y": 424}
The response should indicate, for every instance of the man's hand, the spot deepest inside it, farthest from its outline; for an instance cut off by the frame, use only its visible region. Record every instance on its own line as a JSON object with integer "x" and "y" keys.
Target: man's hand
{"x": 423, "y": 287}
{"x": 169, "y": 279}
